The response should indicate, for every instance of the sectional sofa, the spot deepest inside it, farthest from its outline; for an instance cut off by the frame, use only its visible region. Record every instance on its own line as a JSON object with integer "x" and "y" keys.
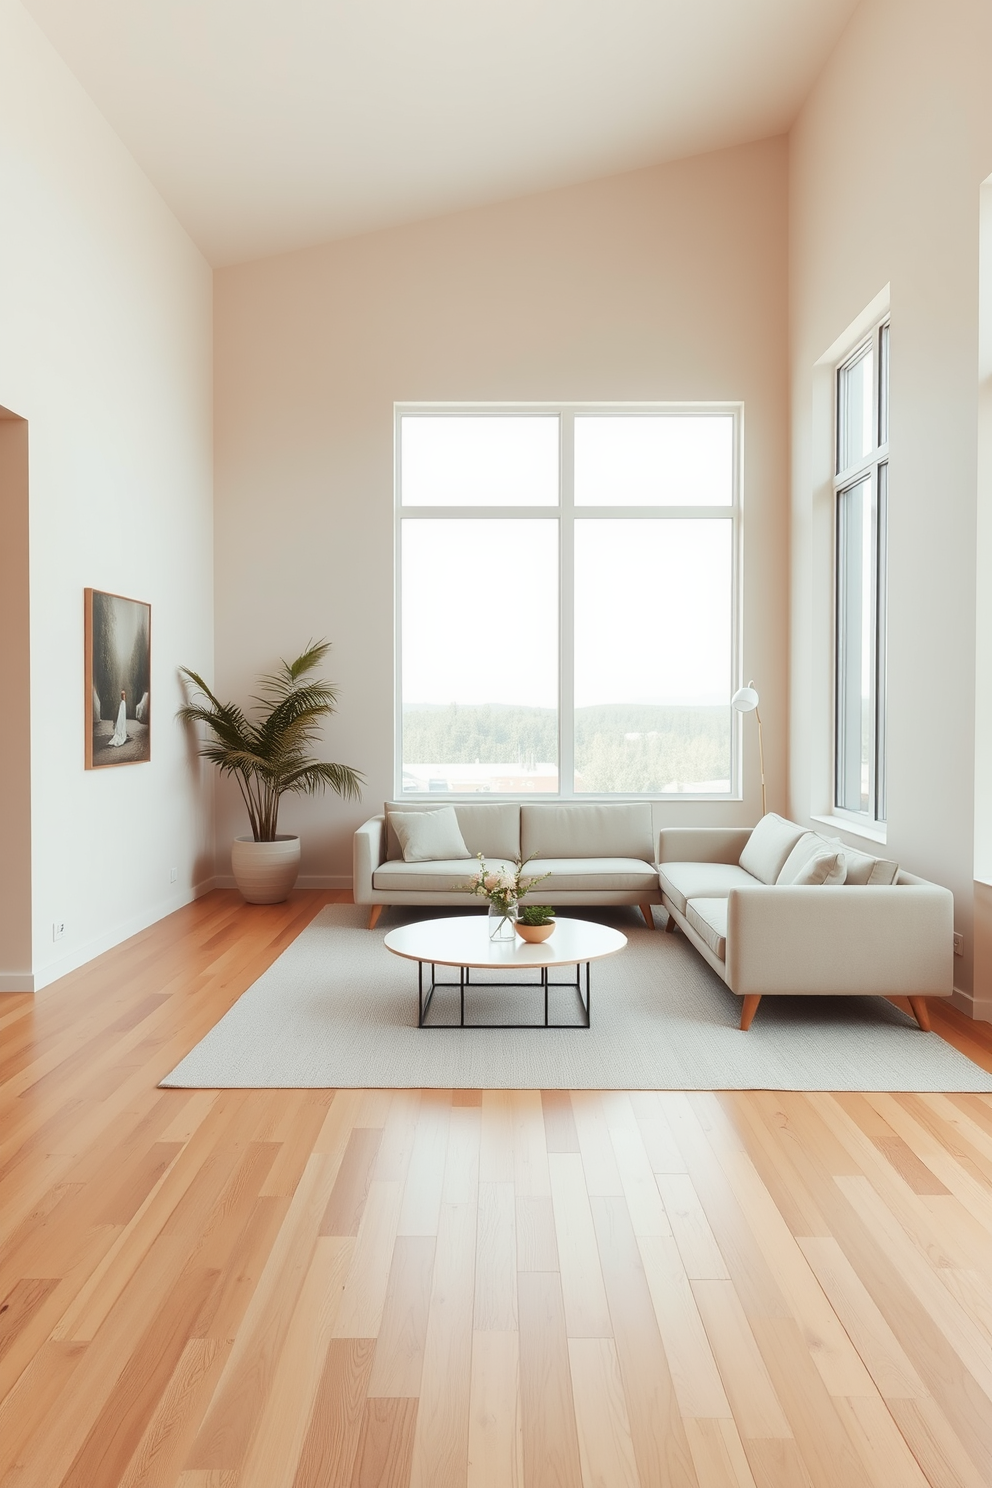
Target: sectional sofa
{"x": 773, "y": 910}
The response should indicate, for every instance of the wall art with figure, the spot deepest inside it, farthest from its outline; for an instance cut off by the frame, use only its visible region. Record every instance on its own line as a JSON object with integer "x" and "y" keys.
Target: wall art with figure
{"x": 118, "y": 635}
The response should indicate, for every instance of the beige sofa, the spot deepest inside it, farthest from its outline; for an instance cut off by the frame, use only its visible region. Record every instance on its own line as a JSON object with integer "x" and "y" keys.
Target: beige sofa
{"x": 880, "y": 932}
{"x": 594, "y": 852}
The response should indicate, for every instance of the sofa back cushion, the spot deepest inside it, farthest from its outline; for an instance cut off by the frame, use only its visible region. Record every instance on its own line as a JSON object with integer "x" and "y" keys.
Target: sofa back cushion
{"x": 587, "y": 829}
{"x": 859, "y": 868}
{"x": 809, "y": 846}
{"x": 768, "y": 846}
{"x": 862, "y": 868}
{"x": 491, "y": 827}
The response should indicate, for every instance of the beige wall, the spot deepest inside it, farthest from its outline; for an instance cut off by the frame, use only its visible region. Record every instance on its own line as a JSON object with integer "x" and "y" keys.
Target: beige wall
{"x": 105, "y": 351}
{"x": 887, "y": 160}
{"x": 668, "y": 283}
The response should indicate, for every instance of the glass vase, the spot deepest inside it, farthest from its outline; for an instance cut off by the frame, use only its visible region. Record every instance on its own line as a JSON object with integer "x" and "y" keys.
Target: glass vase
{"x": 501, "y": 918}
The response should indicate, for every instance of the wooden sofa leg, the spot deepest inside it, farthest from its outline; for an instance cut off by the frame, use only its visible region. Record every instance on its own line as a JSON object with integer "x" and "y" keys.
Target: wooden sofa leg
{"x": 921, "y": 1012}
{"x": 670, "y": 925}
{"x": 374, "y": 914}
{"x": 648, "y": 916}
{"x": 749, "y": 1009}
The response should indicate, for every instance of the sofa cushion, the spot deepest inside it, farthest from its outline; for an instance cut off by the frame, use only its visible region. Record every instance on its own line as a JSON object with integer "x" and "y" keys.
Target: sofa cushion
{"x": 587, "y": 829}
{"x": 824, "y": 867}
{"x": 571, "y": 875}
{"x": 442, "y": 877}
{"x": 685, "y": 881}
{"x": 708, "y": 917}
{"x": 862, "y": 868}
{"x": 809, "y": 844}
{"x": 768, "y": 846}
{"x": 491, "y": 827}
{"x": 427, "y": 836}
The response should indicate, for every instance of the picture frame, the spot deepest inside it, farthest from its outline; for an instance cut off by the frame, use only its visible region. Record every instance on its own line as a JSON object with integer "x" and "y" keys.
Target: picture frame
{"x": 117, "y": 642}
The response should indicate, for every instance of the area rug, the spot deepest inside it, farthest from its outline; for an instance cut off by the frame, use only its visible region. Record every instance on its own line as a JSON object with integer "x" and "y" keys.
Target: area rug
{"x": 337, "y": 1009}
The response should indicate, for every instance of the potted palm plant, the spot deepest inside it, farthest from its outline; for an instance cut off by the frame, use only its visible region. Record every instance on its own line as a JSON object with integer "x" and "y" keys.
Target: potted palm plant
{"x": 269, "y": 756}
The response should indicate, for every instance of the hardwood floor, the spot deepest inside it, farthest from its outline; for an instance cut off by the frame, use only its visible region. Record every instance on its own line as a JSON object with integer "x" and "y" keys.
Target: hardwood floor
{"x": 305, "y": 1289}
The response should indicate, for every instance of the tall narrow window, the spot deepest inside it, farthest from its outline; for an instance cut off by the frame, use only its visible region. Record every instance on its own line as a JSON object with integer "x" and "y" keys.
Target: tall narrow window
{"x": 566, "y": 601}
{"x": 861, "y": 487}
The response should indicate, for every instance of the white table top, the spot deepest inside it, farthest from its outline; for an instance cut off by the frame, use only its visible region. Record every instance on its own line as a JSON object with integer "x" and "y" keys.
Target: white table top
{"x": 464, "y": 941}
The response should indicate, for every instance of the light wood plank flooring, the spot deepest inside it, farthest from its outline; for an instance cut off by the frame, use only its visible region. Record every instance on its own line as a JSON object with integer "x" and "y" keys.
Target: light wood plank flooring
{"x": 305, "y": 1289}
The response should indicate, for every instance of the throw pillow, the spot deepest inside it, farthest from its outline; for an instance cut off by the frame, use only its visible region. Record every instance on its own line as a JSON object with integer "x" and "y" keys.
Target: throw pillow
{"x": 808, "y": 845}
{"x": 862, "y": 868}
{"x": 768, "y": 846}
{"x": 823, "y": 868}
{"x": 429, "y": 836}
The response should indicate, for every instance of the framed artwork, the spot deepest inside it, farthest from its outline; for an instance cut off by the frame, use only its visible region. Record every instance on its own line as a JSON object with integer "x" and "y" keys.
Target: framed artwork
{"x": 118, "y": 645}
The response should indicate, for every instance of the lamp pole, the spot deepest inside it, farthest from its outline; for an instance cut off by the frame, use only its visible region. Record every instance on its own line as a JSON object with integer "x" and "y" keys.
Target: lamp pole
{"x": 745, "y": 700}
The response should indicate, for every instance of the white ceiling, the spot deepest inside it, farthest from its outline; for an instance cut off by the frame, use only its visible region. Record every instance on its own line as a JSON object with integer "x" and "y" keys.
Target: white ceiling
{"x": 270, "y": 125}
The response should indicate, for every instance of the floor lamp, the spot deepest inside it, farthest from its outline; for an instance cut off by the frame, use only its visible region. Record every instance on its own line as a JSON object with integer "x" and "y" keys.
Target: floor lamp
{"x": 745, "y": 700}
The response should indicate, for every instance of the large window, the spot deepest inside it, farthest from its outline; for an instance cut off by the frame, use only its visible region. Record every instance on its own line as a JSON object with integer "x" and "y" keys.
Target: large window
{"x": 861, "y": 487}
{"x": 567, "y": 600}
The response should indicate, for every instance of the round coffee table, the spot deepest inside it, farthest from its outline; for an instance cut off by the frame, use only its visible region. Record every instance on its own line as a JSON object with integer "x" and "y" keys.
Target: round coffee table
{"x": 463, "y": 942}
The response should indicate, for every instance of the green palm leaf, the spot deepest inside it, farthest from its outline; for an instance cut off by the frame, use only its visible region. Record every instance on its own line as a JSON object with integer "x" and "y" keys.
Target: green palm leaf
{"x": 312, "y": 778}
{"x": 270, "y": 755}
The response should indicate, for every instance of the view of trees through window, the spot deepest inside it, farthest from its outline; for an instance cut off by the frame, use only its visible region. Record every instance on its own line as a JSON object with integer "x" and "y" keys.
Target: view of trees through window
{"x": 620, "y": 746}
{"x": 566, "y": 601}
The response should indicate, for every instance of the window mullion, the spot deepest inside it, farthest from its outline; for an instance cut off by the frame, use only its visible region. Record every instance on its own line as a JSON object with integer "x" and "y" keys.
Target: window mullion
{"x": 861, "y": 468}
{"x": 566, "y": 620}
{"x": 479, "y": 513}
{"x": 653, "y": 513}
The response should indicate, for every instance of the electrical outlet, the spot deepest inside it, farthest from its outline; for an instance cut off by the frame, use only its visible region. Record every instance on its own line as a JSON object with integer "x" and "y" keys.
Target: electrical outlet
{"x": 58, "y": 929}
{"x": 173, "y": 874}
{"x": 958, "y": 943}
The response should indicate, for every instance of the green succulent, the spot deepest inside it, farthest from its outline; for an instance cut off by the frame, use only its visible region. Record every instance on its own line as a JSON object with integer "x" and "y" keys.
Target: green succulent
{"x": 536, "y": 914}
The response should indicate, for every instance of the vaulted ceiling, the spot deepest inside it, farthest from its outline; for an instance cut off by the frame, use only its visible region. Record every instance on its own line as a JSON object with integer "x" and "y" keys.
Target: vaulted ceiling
{"x": 269, "y": 125}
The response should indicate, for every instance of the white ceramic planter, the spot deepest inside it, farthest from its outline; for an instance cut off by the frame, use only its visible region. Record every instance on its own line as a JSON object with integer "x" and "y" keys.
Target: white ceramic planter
{"x": 265, "y": 872}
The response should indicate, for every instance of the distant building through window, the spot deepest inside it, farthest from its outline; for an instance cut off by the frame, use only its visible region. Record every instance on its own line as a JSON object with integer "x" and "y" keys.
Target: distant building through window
{"x": 567, "y": 599}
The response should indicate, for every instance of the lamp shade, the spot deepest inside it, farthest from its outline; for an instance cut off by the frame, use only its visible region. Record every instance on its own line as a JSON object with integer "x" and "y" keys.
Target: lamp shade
{"x": 745, "y": 699}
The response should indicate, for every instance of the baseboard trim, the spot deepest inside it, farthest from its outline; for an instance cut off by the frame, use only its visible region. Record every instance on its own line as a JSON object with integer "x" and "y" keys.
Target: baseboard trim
{"x": 16, "y": 981}
{"x": 305, "y": 881}
{"x": 72, "y": 961}
{"x": 978, "y": 1008}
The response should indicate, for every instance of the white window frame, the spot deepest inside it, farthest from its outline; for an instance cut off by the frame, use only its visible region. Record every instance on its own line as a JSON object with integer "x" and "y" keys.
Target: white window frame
{"x": 567, "y": 514}
{"x": 873, "y": 467}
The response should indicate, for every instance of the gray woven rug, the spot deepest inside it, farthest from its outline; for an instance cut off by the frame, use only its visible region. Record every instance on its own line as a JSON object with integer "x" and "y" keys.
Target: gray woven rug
{"x": 337, "y": 1009}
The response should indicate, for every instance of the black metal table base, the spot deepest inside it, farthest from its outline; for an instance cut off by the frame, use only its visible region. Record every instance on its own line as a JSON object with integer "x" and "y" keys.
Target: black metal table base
{"x": 464, "y": 981}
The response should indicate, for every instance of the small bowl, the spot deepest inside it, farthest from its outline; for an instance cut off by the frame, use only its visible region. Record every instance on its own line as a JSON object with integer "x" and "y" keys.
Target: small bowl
{"x": 534, "y": 933}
